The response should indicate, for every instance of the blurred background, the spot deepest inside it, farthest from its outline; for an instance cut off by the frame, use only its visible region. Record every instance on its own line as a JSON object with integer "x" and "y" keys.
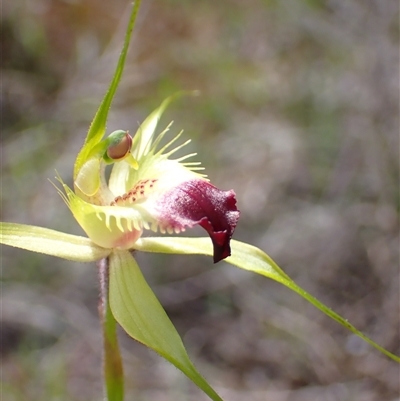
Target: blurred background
{"x": 298, "y": 113}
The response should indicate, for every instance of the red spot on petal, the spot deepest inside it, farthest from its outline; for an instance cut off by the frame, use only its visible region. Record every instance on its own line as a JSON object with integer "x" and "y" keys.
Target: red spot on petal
{"x": 139, "y": 191}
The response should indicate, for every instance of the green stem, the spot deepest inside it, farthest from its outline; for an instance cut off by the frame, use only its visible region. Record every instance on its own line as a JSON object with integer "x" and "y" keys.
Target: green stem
{"x": 112, "y": 363}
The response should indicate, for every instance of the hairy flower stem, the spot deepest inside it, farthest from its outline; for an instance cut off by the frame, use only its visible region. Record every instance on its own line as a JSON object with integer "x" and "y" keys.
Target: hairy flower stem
{"x": 112, "y": 363}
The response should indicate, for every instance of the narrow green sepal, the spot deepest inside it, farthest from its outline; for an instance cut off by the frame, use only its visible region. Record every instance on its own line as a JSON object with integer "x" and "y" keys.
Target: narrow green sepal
{"x": 98, "y": 125}
{"x": 51, "y": 242}
{"x": 249, "y": 258}
{"x": 138, "y": 311}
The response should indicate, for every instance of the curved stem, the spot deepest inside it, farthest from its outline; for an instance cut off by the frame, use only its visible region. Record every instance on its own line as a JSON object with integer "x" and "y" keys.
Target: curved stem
{"x": 112, "y": 362}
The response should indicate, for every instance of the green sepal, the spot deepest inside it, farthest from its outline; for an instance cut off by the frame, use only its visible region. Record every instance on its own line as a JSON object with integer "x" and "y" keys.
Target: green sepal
{"x": 249, "y": 258}
{"x": 51, "y": 242}
{"x": 98, "y": 126}
{"x": 138, "y": 311}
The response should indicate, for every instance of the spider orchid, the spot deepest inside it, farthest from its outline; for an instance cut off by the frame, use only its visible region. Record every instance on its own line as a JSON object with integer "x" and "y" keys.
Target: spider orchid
{"x": 147, "y": 190}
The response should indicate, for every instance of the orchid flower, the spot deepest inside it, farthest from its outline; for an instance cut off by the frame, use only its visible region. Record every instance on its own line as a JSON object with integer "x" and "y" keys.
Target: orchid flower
{"x": 148, "y": 190}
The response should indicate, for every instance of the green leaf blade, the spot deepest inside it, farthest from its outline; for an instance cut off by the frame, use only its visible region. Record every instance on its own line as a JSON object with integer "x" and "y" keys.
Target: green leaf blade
{"x": 138, "y": 311}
